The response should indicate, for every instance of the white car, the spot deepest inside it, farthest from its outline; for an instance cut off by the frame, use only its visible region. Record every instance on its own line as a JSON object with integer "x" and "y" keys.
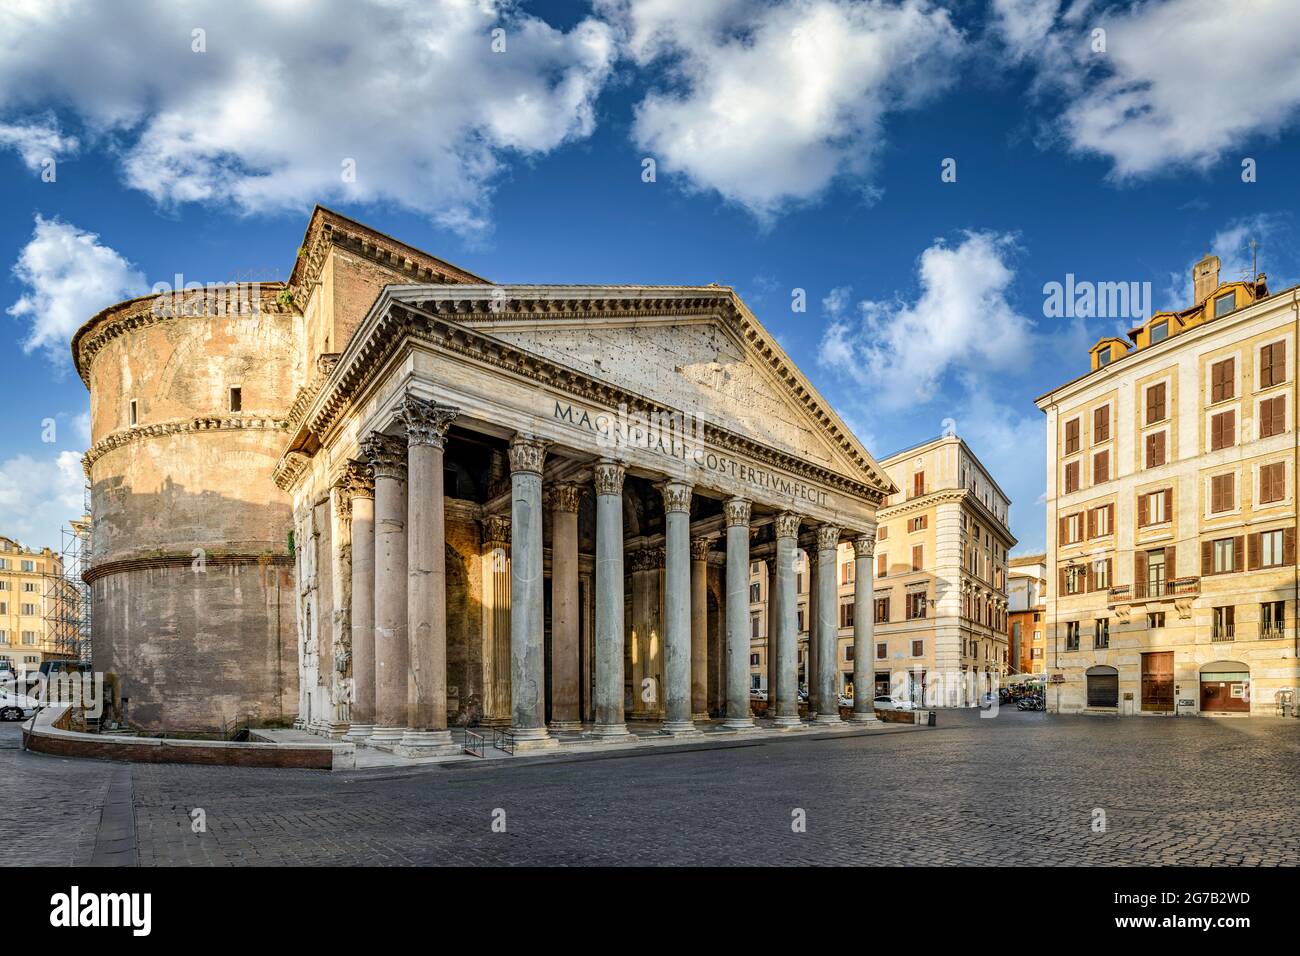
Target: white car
{"x": 16, "y": 706}
{"x": 886, "y": 702}
{"x": 756, "y": 694}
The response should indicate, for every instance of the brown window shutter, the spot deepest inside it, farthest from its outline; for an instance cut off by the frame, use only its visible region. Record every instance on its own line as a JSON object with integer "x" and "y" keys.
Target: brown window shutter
{"x": 1089, "y": 579}
{"x": 1207, "y": 558}
{"x": 1278, "y": 417}
{"x": 1238, "y": 553}
{"x": 1140, "y": 574}
{"x": 1171, "y": 565}
{"x": 1169, "y": 504}
{"x": 1288, "y": 545}
{"x": 1229, "y": 428}
{"x": 1144, "y": 510}
{"x": 1279, "y": 363}
{"x": 1092, "y": 523}
{"x": 1110, "y": 518}
{"x": 1061, "y": 583}
{"x": 1110, "y": 573}
{"x": 1216, "y": 432}
{"x": 1252, "y": 551}
{"x": 1060, "y": 531}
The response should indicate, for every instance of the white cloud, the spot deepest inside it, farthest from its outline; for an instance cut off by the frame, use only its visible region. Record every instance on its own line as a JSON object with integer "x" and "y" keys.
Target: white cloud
{"x": 767, "y": 104}
{"x": 69, "y": 277}
{"x": 1181, "y": 83}
{"x": 37, "y": 141}
{"x": 960, "y": 323}
{"x": 286, "y": 92}
{"x": 38, "y": 496}
{"x": 1272, "y": 231}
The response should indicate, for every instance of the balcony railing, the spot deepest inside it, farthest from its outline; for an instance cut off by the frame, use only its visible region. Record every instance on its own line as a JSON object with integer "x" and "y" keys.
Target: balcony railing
{"x": 1272, "y": 632}
{"x": 1160, "y": 590}
{"x": 1222, "y": 632}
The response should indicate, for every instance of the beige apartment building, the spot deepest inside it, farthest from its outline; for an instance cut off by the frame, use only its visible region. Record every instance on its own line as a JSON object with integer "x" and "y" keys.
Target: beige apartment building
{"x": 1027, "y": 587}
{"x": 26, "y": 578}
{"x": 1171, "y": 511}
{"x": 940, "y": 588}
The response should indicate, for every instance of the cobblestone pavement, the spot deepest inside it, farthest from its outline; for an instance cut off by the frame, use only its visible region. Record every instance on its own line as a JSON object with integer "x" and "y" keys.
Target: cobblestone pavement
{"x": 1021, "y": 788}
{"x": 49, "y": 806}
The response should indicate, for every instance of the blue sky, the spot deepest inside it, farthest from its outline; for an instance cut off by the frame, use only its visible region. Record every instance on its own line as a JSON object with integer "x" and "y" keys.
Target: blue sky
{"x": 796, "y": 146}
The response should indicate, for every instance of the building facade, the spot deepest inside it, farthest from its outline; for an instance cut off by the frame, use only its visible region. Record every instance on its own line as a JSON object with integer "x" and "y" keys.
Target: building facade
{"x": 939, "y": 595}
{"x": 533, "y": 506}
{"x": 1027, "y": 584}
{"x": 32, "y": 596}
{"x": 1171, "y": 525}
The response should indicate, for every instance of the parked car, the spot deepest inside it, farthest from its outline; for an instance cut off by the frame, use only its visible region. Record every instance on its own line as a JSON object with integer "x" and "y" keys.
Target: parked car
{"x": 757, "y": 694}
{"x": 16, "y": 706}
{"x": 845, "y": 700}
{"x": 886, "y": 702}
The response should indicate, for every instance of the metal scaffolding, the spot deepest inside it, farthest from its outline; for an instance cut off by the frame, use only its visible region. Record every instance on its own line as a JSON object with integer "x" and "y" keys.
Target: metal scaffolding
{"x": 67, "y": 596}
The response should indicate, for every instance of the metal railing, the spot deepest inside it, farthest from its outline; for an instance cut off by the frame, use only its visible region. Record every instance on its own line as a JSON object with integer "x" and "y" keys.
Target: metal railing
{"x": 503, "y": 738}
{"x": 1272, "y": 632}
{"x": 1222, "y": 632}
{"x": 473, "y": 743}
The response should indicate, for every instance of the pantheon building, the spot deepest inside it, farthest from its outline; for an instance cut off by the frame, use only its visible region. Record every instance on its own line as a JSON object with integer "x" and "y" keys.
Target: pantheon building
{"x": 388, "y": 498}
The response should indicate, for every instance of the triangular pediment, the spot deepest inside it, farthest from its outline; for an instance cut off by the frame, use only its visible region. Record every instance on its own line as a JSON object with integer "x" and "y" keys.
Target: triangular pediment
{"x": 696, "y": 350}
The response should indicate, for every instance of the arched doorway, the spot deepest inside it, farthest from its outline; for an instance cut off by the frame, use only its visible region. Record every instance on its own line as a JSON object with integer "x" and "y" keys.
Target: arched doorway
{"x": 1103, "y": 686}
{"x": 1225, "y": 687}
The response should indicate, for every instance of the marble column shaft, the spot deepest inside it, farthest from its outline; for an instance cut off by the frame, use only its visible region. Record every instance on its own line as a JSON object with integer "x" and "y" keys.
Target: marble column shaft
{"x": 565, "y": 661}
{"x": 361, "y": 486}
{"x": 392, "y": 654}
{"x": 677, "y": 608}
{"x": 527, "y": 612}
{"x": 737, "y": 512}
{"x": 787, "y": 621}
{"x": 769, "y": 568}
{"x": 828, "y": 710}
{"x": 864, "y": 617}
{"x": 700, "y": 628}
{"x": 609, "y": 600}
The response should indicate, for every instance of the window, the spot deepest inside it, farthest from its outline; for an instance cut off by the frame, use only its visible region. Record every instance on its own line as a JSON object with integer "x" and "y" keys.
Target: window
{"x": 1160, "y": 331}
{"x": 1104, "y": 356}
{"x": 918, "y": 484}
{"x": 1224, "y": 555}
{"x": 1101, "y": 424}
{"x": 29, "y": 638}
{"x": 882, "y": 610}
{"x": 1153, "y": 576}
{"x": 1225, "y": 304}
{"x": 4, "y": 607}
{"x": 918, "y": 557}
{"x": 1100, "y": 521}
{"x": 848, "y": 652}
{"x": 799, "y": 615}
{"x": 882, "y": 651}
{"x": 4, "y": 638}
{"x": 753, "y": 625}
{"x": 1222, "y": 493}
{"x": 846, "y": 572}
{"x": 916, "y": 524}
{"x": 1036, "y": 653}
{"x": 1155, "y": 507}
{"x": 1272, "y": 482}
{"x": 1272, "y": 620}
{"x": 1101, "y": 574}
{"x": 1271, "y": 547}
{"x": 1101, "y": 633}
{"x": 1156, "y": 403}
{"x": 753, "y": 660}
{"x": 1072, "y": 436}
{"x": 846, "y": 614}
{"x": 918, "y": 648}
{"x": 1224, "y": 624}
{"x": 236, "y": 399}
{"x": 1223, "y": 430}
{"x": 1272, "y": 416}
{"x": 1100, "y": 467}
{"x": 755, "y": 593}
{"x": 29, "y": 610}
{"x": 1074, "y": 580}
{"x": 1072, "y": 635}
{"x": 1155, "y": 449}
{"x": 1222, "y": 380}
{"x": 1272, "y": 365}
{"x": 134, "y": 417}
{"x": 1072, "y": 528}
{"x": 916, "y": 605}
{"x": 1156, "y": 619}
{"x": 1072, "y": 477}
{"x": 882, "y": 565}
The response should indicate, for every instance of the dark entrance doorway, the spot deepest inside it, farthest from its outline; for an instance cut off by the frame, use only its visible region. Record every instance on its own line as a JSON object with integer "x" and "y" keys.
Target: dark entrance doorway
{"x": 1103, "y": 686}
{"x": 1225, "y": 688}
{"x": 1158, "y": 681}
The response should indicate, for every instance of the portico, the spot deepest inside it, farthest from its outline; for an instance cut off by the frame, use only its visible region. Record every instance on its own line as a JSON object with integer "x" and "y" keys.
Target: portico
{"x": 569, "y": 487}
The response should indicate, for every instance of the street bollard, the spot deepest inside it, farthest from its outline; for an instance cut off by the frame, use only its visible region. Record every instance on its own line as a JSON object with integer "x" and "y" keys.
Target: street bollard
{"x": 933, "y": 717}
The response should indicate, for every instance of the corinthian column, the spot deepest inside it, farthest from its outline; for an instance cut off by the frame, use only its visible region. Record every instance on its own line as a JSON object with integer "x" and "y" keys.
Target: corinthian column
{"x": 527, "y": 646}
{"x": 360, "y": 485}
{"x": 737, "y": 515}
{"x": 426, "y": 591}
{"x": 496, "y": 618}
{"x": 609, "y": 601}
{"x": 827, "y": 631}
{"x": 864, "y": 617}
{"x": 787, "y": 622}
{"x": 392, "y": 656}
{"x": 677, "y": 609}
{"x": 700, "y": 628}
{"x": 565, "y": 714}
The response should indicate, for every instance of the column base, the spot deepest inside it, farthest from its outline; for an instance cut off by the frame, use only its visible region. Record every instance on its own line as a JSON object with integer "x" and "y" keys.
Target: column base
{"x": 336, "y": 730}
{"x": 534, "y": 738}
{"x": 824, "y": 720}
{"x": 359, "y": 733}
{"x": 679, "y": 728}
{"x": 786, "y": 723}
{"x": 856, "y": 718}
{"x": 738, "y": 723}
{"x": 700, "y": 718}
{"x": 426, "y": 743}
{"x": 612, "y": 732}
{"x": 386, "y": 736}
{"x": 565, "y": 726}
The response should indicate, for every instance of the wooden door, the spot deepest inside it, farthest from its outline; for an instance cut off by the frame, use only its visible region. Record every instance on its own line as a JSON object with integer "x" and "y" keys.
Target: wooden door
{"x": 1158, "y": 681}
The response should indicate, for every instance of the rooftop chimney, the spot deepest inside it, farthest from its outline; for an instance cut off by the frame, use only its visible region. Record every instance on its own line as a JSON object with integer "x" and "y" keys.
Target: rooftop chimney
{"x": 1205, "y": 278}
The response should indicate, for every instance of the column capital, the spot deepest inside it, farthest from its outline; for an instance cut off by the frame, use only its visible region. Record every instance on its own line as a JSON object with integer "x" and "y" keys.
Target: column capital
{"x": 648, "y": 559}
{"x": 387, "y": 455}
{"x": 737, "y": 511}
{"x": 426, "y": 422}
{"x": 828, "y": 537}
{"x": 677, "y": 495}
{"x": 787, "y": 524}
{"x": 864, "y": 546}
{"x": 608, "y": 476}
{"x": 356, "y": 481}
{"x": 565, "y": 496}
{"x": 527, "y": 454}
{"x": 700, "y": 548}
{"x": 342, "y": 502}
{"x": 496, "y": 531}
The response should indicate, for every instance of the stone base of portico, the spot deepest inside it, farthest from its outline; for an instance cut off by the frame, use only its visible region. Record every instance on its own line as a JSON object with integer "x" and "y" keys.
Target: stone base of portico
{"x": 823, "y": 720}
{"x": 386, "y": 736}
{"x": 786, "y": 723}
{"x": 679, "y": 728}
{"x": 565, "y": 726}
{"x": 424, "y": 743}
{"x": 359, "y": 733}
{"x": 336, "y": 730}
{"x": 739, "y": 723}
{"x": 533, "y": 738}
{"x": 611, "y": 733}
{"x": 856, "y": 718}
